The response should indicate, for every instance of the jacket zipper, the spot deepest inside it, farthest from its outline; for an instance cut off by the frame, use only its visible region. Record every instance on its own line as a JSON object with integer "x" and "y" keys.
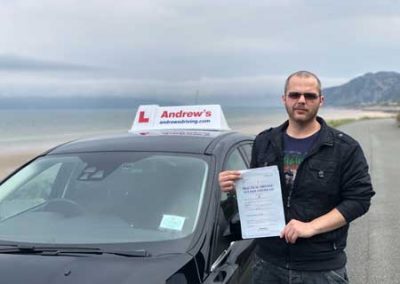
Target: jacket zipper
{"x": 289, "y": 198}
{"x": 279, "y": 155}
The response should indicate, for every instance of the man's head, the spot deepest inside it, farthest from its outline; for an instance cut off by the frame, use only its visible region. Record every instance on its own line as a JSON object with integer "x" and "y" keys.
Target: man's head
{"x": 302, "y": 97}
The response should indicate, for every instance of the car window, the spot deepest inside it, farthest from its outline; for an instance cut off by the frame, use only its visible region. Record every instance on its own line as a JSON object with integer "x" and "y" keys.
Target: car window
{"x": 33, "y": 189}
{"x": 228, "y": 206}
{"x": 37, "y": 187}
{"x": 246, "y": 149}
{"x": 112, "y": 197}
{"x": 234, "y": 161}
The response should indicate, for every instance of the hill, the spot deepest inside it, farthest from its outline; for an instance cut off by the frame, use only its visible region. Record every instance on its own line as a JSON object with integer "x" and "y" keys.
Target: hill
{"x": 381, "y": 88}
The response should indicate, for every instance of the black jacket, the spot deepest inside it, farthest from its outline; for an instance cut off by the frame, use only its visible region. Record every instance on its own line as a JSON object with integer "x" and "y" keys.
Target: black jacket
{"x": 333, "y": 175}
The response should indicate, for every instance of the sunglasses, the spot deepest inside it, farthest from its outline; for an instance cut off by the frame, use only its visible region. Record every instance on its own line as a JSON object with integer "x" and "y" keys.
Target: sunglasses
{"x": 307, "y": 96}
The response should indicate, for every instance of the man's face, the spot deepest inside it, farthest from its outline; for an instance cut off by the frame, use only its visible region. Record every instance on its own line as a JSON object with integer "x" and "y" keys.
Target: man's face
{"x": 302, "y": 99}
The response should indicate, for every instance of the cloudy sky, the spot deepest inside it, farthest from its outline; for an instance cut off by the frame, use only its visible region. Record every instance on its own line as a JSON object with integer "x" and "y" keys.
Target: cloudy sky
{"x": 180, "y": 47}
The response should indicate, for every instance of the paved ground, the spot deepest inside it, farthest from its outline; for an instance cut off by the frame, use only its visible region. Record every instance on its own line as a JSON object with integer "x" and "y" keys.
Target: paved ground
{"x": 374, "y": 245}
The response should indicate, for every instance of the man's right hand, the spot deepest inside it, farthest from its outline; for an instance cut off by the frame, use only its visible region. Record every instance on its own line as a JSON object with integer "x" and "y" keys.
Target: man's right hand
{"x": 227, "y": 180}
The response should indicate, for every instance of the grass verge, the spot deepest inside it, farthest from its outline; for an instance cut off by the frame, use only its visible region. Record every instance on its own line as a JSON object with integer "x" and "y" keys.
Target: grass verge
{"x": 338, "y": 122}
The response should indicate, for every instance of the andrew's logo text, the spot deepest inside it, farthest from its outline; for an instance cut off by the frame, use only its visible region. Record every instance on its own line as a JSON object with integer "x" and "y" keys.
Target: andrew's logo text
{"x": 183, "y": 114}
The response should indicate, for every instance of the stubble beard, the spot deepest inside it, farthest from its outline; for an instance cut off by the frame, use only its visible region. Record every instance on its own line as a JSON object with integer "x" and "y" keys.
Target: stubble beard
{"x": 308, "y": 117}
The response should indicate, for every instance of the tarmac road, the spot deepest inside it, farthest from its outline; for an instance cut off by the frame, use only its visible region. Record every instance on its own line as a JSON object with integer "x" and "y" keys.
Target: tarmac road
{"x": 373, "y": 247}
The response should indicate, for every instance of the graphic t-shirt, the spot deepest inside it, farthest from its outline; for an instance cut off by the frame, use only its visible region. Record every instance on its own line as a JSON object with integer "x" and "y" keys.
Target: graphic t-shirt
{"x": 294, "y": 151}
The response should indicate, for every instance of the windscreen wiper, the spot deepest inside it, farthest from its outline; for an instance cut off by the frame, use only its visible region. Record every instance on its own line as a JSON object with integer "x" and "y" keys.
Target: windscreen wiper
{"x": 26, "y": 249}
{"x": 54, "y": 250}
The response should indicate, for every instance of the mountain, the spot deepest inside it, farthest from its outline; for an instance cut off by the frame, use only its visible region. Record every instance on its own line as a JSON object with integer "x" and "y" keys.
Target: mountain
{"x": 381, "y": 88}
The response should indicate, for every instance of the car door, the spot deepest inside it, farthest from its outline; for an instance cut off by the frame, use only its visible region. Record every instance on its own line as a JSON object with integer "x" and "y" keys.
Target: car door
{"x": 232, "y": 257}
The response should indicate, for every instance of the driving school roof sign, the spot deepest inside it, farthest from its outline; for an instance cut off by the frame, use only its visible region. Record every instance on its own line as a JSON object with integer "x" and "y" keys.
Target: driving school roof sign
{"x": 208, "y": 117}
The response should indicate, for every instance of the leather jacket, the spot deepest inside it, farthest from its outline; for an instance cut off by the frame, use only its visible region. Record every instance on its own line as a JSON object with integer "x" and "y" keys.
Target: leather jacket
{"x": 334, "y": 174}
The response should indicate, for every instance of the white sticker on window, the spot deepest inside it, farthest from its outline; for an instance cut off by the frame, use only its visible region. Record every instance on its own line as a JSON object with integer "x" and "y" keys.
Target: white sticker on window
{"x": 172, "y": 222}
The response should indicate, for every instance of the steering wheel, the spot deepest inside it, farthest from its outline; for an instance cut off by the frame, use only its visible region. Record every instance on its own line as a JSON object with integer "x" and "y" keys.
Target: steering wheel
{"x": 66, "y": 207}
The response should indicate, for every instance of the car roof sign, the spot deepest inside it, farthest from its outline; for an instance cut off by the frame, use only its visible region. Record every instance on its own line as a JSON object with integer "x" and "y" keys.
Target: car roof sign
{"x": 199, "y": 117}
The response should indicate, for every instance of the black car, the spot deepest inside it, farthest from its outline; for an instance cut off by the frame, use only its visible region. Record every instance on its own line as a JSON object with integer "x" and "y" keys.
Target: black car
{"x": 134, "y": 208}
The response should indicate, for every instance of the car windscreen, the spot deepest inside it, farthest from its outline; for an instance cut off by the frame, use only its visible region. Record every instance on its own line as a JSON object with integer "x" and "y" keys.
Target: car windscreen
{"x": 103, "y": 198}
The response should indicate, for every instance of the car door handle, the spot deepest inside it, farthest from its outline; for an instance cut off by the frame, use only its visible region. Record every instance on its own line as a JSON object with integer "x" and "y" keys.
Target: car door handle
{"x": 223, "y": 274}
{"x": 221, "y": 257}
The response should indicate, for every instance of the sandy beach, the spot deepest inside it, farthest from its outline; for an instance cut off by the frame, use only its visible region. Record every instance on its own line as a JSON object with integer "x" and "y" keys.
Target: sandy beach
{"x": 253, "y": 125}
{"x": 11, "y": 161}
{"x": 12, "y": 157}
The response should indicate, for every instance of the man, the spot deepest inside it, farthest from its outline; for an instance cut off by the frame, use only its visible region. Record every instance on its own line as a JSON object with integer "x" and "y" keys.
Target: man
{"x": 325, "y": 185}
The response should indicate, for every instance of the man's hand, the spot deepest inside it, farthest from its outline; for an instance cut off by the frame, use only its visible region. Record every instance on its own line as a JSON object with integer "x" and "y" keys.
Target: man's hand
{"x": 227, "y": 180}
{"x": 296, "y": 229}
{"x": 325, "y": 223}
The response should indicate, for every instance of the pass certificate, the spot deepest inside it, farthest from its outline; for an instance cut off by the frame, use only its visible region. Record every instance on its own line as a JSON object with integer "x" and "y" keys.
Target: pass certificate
{"x": 260, "y": 202}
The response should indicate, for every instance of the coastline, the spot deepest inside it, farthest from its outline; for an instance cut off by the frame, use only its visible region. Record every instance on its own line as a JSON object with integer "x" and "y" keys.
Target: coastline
{"x": 13, "y": 156}
{"x": 253, "y": 126}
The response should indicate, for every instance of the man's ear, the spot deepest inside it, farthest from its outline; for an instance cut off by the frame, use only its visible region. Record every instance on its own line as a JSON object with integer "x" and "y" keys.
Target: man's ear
{"x": 283, "y": 99}
{"x": 321, "y": 103}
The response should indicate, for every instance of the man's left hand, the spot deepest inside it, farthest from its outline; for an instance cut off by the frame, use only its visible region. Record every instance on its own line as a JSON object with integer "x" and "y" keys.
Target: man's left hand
{"x": 296, "y": 229}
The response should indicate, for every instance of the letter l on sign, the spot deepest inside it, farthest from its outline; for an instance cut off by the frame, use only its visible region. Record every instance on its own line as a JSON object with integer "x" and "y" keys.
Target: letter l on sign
{"x": 142, "y": 118}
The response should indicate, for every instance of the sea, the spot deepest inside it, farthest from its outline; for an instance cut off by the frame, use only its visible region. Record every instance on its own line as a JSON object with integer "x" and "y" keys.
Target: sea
{"x": 22, "y": 129}
{"x": 43, "y": 128}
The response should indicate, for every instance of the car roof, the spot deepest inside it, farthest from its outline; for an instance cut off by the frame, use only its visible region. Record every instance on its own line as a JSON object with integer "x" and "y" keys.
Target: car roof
{"x": 177, "y": 141}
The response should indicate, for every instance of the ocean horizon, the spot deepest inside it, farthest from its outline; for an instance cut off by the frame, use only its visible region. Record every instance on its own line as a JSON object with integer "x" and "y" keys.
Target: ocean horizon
{"x": 27, "y": 133}
{"x": 24, "y": 129}
{"x": 38, "y": 124}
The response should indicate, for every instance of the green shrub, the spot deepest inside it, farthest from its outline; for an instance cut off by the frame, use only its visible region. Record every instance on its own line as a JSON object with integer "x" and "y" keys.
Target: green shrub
{"x": 338, "y": 122}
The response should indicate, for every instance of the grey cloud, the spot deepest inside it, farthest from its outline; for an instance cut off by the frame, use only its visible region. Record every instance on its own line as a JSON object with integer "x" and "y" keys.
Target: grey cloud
{"x": 179, "y": 46}
{"x": 19, "y": 63}
{"x": 41, "y": 84}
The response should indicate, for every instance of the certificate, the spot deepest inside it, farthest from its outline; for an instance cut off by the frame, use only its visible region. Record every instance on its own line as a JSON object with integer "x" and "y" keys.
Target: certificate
{"x": 259, "y": 198}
